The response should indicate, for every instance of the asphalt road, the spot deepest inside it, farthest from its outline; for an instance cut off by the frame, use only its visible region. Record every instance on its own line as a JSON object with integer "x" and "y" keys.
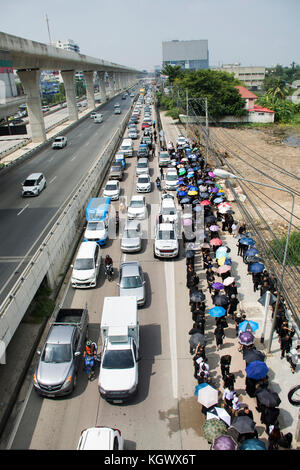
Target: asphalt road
{"x": 24, "y": 220}
{"x": 164, "y": 414}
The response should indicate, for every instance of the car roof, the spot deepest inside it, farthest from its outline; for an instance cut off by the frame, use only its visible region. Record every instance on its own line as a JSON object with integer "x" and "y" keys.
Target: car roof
{"x": 34, "y": 176}
{"x": 113, "y": 182}
{"x": 132, "y": 224}
{"x": 60, "y": 334}
{"x": 137, "y": 197}
{"x": 144, "y": 175}
{"x": 130, "y": 268}
{"x": 86, "y": 249}
{"x": 97, "y": 438}
{"x": 165, "y": 226}
{"x": 168, "y": 202}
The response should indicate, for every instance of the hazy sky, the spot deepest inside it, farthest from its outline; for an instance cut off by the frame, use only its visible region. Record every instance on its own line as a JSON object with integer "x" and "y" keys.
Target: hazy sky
{"x": 130, "y": 32}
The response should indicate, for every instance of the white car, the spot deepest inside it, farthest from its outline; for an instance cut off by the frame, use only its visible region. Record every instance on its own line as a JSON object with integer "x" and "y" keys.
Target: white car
{"x": 112, "y": 190}
{"x": 93, "y": 114}
{"x": 131, "y": 240}
{"x": 101, "y": 438}
{"x": 166, "y": 244}
{"x": 86, "y": 266}
{"x": 171, "y": 179}
{"x": 168, "y": 210}
{"x": 59, "y": 142}
{"x": 181, "y": 140}
{"x": 34, "y": 184}
{"x": 132, "y": 134}
{"x": 137, "y": 208}
{"x": 143, "y": 184}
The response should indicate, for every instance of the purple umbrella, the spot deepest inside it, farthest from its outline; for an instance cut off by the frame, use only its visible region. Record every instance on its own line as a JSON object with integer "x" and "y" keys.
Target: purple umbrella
{"x": 224, "y": 442}
{"x": 217, "y": 285}
{"x": 214, "y": 228}
{"x": 187, "y": 222}
{"x": 211, "y": 174}
{"x": 246, "y": 338}
{"x": 214, "y": 190}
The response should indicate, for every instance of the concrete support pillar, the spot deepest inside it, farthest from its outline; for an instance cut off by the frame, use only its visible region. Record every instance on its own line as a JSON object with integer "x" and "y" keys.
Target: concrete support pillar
{"x": 69, "y": 83}
{"x": 31, "y": 83}
{"x": 111, "y": 83}
{"x": 117, "y": 81}
{"x": 101, "y": 76}
{"x": 89, "y": 80}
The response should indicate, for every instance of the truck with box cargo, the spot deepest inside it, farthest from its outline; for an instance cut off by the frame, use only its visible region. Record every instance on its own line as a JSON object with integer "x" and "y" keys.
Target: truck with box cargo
{"x": 97, "y": 216}
{"x": 118, "y": 377}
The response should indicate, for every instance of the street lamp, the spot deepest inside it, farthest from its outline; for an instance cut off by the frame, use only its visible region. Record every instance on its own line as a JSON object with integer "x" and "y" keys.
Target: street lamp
{"x": 227, "y": 175}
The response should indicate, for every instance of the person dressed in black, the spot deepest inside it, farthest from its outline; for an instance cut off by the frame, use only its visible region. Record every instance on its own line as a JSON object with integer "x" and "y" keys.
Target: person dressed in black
{"x": 225, "y": 362}
{"x": 245, "y": 411}
{"x": 220, "y": 335}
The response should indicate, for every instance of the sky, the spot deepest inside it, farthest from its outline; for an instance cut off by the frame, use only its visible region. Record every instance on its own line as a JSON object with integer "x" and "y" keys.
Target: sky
{"x": 130, "y": 32}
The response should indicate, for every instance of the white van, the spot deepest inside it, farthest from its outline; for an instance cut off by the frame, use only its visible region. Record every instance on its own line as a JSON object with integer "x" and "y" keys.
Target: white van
{"x": 127, "y": 148}
{"x": 98, "y": 118}
{"x": 87, "y": 265}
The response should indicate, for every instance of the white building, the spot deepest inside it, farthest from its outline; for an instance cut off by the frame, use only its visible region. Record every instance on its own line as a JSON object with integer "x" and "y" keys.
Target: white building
{"x": 67, "y": 44}
{"x": 251, "y": 76}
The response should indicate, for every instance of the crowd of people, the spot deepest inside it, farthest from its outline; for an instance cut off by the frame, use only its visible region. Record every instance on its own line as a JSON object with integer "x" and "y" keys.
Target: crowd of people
{"x": 198, "y": 194}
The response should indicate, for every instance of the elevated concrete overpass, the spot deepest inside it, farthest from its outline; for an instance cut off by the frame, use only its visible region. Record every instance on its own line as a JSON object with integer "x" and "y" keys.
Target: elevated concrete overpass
{"x": 30, "y": 57}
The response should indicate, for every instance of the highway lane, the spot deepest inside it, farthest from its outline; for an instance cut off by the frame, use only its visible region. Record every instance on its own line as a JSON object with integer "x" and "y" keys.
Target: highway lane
{"x": 164, "y": 414}
{"x": 23, "y": 219}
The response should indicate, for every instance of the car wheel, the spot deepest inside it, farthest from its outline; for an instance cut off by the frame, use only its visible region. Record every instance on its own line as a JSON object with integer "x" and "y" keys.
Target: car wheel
{"x": 74, "y": 383}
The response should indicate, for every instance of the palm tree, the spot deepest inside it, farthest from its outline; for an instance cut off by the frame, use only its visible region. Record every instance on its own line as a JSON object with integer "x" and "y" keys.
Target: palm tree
{"x": 279, "y": 90}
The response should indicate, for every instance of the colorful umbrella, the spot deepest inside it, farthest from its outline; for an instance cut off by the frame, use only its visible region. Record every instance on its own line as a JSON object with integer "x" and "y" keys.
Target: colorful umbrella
{"x": 214, "y": 228}
{"x": 205, "y": 245}
{"x": 223, "y": 269}
{"x": 251, "y": 252}
{"x": 257, "y": 370}
{"x": 246, "y": 338}
{"x": 192, "y": 193}
{"x": 205, "y": 203}
{"x": 246, "y": 241}
{"x": 213, "y": 428}
{"x": 248, "y": 325}
{"x": 215, "y": 242}
{"x": 217, "y": 312}
{"x": 213, "y": 190}
{"x": 224, "y": 205}
{"x": 182, "y": 193}
{"x": 221, "y": 260}
{"x": 185, "y": 200}
{"x": 187, "y": 222}
{"x": 253, "y": 444}
{"x": 218, "y": 200}
{"x": 224, "y": 442}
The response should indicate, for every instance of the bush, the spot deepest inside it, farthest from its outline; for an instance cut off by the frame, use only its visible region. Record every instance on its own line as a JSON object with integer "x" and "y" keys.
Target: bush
{"x": 293, "y": 252}
{"x": 173, "y": 113}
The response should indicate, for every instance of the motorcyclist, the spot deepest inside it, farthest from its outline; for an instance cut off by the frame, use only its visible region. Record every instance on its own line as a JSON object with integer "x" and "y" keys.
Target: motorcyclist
{"x": 158, "y": 183}
{"x": 108, "y": 264}
{"x": 90, "y": 349}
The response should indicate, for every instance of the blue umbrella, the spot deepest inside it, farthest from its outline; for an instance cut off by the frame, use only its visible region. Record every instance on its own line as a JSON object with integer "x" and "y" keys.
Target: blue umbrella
{"x": 228, "y": 261}
{"x": 204, "y": 195}
{"x": 185, "y": 200}
{"x": 248, "y": 325}
{"x": 251, "y": 252}
{"x": 257, "y": 370}
{"x": 222, "y": 254}
{"x": 198, "y": 209}
{"x": 182, "y": 193}
{"x": 218, "y": 200}
{"x": 253, "y": 444}
{"x": 194, "y": 188}
{"x": 200, "y": 181}
{"x": 256, "y": 268}
{"x": 217, "y": 312}
{"x": 247, "y": 241}
{"x": 198, "y": 387}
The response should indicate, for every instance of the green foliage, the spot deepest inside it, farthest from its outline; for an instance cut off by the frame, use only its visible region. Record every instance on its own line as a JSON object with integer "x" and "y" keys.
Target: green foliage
{"x": 42, "y": 306}
{"x": 172, "y": 72}
{"x": 293, "y": 252}
{"x": 284, "y": 110}
{"x": 173, "y": 113}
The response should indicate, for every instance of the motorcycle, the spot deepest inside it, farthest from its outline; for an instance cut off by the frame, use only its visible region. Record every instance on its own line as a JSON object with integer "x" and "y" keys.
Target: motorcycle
{"x": 158, "y": 185}
{"x": 109, "y": 272}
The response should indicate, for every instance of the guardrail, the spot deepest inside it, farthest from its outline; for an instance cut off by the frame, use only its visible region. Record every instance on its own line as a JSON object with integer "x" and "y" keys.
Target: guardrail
{"x": 55, "y": 248}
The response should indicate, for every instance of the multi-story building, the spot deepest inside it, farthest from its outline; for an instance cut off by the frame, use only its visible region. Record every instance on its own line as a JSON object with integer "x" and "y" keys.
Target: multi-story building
{"x": 251, "y": 76}
{"x": 190, "y": 55}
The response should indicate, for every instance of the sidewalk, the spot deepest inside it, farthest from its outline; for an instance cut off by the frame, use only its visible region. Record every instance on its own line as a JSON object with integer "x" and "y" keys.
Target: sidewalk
{"x": 280, "y": 376}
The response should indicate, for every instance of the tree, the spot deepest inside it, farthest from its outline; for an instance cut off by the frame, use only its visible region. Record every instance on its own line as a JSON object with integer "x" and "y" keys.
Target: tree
{"x": 284, "y": 110}
{"x": 172, "y": 72}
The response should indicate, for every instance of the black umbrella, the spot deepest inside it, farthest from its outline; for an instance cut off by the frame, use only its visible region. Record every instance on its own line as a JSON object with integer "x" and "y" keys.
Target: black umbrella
{"x": 197, "y": 296}
{"x": 252, "y": 355}
{"x": 210, "y": 219}
{"x": 268, "y": 398}
{"x": 243, "y": 424}
{"x": 197, "y": 338}
{"x": 221, "y": 301}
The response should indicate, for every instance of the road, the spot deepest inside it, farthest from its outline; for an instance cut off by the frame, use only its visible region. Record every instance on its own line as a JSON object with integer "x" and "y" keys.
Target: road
{"x": 25, "y": 220}
{"x": 164, "y": 414}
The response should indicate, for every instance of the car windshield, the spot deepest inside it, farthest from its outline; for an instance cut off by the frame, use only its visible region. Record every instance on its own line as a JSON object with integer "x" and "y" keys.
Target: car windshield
{"x": 142, "y": 165}
{"x": 131, "y": 282}
{"x": 95, "y": 225}
{"x": 172, "y": 177}
{"x": 111, "y": 187}
{"x": 126, "y": 147}
{"x": 143, "y": 180}
{"x": 120, "y": 359}
{"x": 29, "y": 183}
{"x": 131, "y": 233}
{"x": 58, "y": 139}
{"x": 168, "y": 211}
{"x": 56, "y": 353}
{"x": 136, "y": 204}
{"x": 166, "y": 235}
{"x": 82, "y": 264}
{"x": 115, "y": 168}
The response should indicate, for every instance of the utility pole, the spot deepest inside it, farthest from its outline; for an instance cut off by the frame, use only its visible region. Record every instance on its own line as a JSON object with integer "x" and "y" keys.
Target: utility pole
{"x": 206, "y": 130}
{"x": 187, "y": 111}
{"x": 47, "y": 21}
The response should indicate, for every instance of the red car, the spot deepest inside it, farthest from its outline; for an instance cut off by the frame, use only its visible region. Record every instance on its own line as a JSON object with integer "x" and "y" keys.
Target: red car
{"x": 145, "y": 125}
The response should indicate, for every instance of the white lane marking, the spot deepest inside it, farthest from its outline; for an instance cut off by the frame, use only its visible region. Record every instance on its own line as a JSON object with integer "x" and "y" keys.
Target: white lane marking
{"x": 73, "y": 158}
{"x": 19, "y": 418}
{"x": 53, "y": 179}
{"x": 25, "y": 207}
{"x": 170, "y": 296}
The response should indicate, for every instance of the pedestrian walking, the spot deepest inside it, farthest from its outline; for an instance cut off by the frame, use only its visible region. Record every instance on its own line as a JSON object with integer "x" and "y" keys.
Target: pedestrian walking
{"x": 229, "y": 380}
{"x": 274, "y": 437}
{"x": 225, "y": 362}
{"x": 161, "y": 173}
{"x": 285, "y": 345}
{"x": 245, "y": 411}
{"x": 228, "y": 395}
{"x": 293, "y": 357}
{"x": 236, "y": 405}
{"x": 220, "y": 335}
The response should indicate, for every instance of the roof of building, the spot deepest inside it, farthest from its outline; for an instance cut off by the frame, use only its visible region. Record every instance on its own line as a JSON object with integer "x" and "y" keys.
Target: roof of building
{"x": 245, "y": 93}
{"x": 259, "y": 109}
